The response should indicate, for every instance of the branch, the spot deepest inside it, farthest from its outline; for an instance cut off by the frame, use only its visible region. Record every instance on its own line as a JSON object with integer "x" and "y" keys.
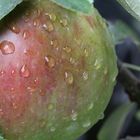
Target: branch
{"x": 131, "y": 138}
{"x": 130, "y": 82}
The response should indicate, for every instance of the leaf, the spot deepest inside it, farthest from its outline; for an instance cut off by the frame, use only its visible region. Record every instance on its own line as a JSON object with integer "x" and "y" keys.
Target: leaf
{"x": 138, "y": 115}
{"x": 82, "y": 6}
{"x": 114, "y": 124}
{"x": 132, "y": 6}
{"x": 7, "y": 6}
{"x": 1, "y": 138}
{"x": 91, "y": 1}
{"x": 121, "y": 31}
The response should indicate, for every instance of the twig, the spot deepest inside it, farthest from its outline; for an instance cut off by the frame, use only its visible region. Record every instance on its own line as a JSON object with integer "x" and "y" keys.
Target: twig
{"x": 130, "y": 82}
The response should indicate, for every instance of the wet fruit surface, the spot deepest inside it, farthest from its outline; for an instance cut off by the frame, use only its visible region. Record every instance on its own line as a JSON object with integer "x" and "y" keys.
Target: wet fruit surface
{"x": 57, "y": 72}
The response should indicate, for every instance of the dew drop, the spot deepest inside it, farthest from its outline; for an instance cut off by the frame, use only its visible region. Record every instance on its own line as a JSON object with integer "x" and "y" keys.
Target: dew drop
{"x": 14, "y": 28}
{"x": 73, "y": 127}
{"x": 86, "y": 124}
{"x": 2, "y": 73}
{"x": 105, "y": 71}
{"x": 36, "y": 81}
{"x": 86, "y": 52}
{"x": 14, "y": 105}
{"x": 26, "y": 34}
{"x": 114, "y": 79}
{"x": 101, "y": 116}
{"x": 42, "y": 124}
{"x": 69, "y": 78}
{"x": 85, "y": 76}
{"x": 74, "y": 115}
{"x": 50, "y": 61}
{"x": 52, "y": 17}
{"x": 7, "y": 47}
{"x": 26, "y": 19}
{"x": 52, "y": 129}
{"x": 13, "y": 72}
{"x": 67, "y": 49}
{"x": 97, "y": 65}
{"x": 72, "y": 60}
{"x": 37, "y": 12}
{"x": 64, "y": 22}
{"x": 12, "y": 89}
{"x": 54, "y": 43}
{"x": 50, "y": 106}
{"x": 31, "y": 89}
{"x": 48, "y": 27}
{"x": 24, "y": 71}
{"x": 90, "y": 106}
{"x": 36, "y": 22}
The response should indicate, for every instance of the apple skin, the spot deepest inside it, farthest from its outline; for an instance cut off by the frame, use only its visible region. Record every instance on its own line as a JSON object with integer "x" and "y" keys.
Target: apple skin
{"x": 57, "y": 72}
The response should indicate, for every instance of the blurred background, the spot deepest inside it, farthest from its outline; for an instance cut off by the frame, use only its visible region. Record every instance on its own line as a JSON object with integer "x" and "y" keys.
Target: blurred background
{"x": 127, "y": 51}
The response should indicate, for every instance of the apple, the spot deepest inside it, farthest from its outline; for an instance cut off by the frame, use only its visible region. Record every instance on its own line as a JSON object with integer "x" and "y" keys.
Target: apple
{"x": 57, "y": 72}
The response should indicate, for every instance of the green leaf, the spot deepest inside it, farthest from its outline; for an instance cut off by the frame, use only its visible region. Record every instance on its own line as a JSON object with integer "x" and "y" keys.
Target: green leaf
{"x": 7, "y": 6}
{"x": 114, "y": 124}
{"x": 132, "y": 6}
{"x": 1, "y": 138}
{"x": 138, "y": 115}
{"x": 121, "y": 31}
{"x": 82, "y": 6}
{"x": 91, "y": 1}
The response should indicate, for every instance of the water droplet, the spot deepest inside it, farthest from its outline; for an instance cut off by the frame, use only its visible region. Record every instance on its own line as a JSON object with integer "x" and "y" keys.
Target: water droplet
{"x": 7, "y": 47}
{"x": 54, "y": 43}
{"x": 90, "y": 106}
{"x": 105, "y": 71}
{"x": 26, "y": 19}
{"x": 2, "y": 73}
{"x": 52, "y": 17}
{"x": 114, "y": 79}
{"x": 74, "y": 115}
{"x": 13, "y": 72}
{"x": 50, "y": 106}
{"x": 85, "y": 76}
{"x": 97, "y": 65}
{"x": 64, "y": 22}
{"x": 48, "y": 27}
{"x": 87, "y": 124}
{"x": 14, "y": 105}
{"x": 26, "y": 34}
{"x": 24, "y": 71}
{"x": 31, "y": 89}
{"x": 42, "y": 124}
{"x": 12, "y": 89}
{"x": 36, "y": 81}
{"x": 50, "y": 61}
{"x": 73, "y": 127}
{"x": 36, "y": 22}
{"x": 42, "y": 93}
{"x": 101, "y": 116}
{"x": 86, "y": 52}
{"x": 37, "y": 12}
{"x": 72, "y": 60}
{"x": 52, "y": 129}
{"x": 14, "y": 28}
{"x": 69, "y": 78}
{"x": 67, "y": 49}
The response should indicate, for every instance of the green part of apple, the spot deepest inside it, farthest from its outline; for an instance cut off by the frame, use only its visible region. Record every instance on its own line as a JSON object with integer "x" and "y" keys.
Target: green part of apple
{"x": 57, "y": 72}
